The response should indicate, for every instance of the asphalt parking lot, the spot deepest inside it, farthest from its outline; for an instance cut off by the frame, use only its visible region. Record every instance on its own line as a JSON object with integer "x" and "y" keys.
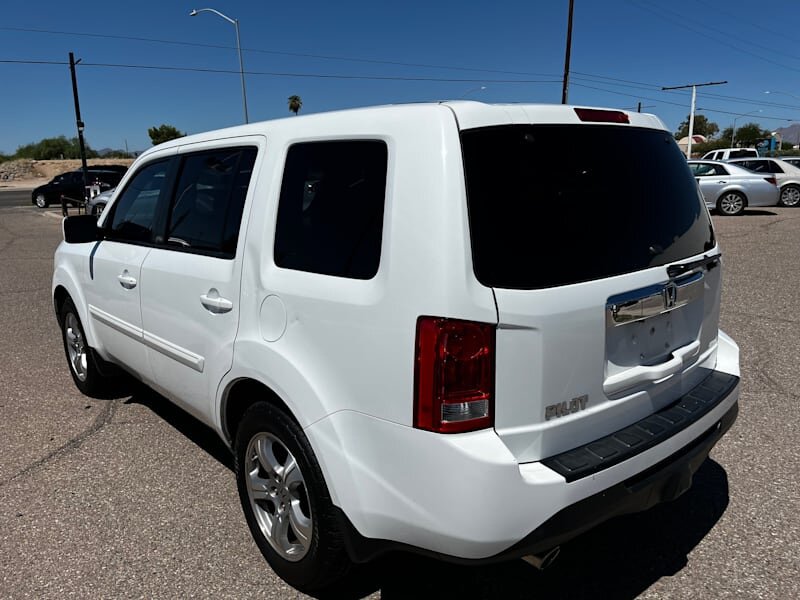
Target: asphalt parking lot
{"x": 132, "y": 498}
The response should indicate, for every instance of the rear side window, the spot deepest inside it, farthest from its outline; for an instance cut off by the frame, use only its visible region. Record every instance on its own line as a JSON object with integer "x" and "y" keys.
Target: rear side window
{"x": 552, "y": 205}
{"x": 135, "y": 210}
{"x": 209, "y": 199}
{"x": 330, "y": 213}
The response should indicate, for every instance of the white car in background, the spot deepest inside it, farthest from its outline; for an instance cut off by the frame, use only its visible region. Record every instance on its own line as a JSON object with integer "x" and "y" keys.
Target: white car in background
{"x": 729, "y": 189}
{"x": 787, "y": 176}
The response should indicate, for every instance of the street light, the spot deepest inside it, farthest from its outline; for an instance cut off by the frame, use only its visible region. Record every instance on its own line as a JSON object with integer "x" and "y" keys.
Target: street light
{"x": 783, "y": 94}
{"x": 235, "y": 23}
{"x": 733, "y": 133}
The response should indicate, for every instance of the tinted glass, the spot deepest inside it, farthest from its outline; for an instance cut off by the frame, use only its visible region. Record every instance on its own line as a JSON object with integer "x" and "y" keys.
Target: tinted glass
{"x": 741, "y": 153}
{"x": 775, "y": 167}
{"x": 330, "y": 214}
{"x": 558, "y": 204}
{"x": 134, "y": 210}
{"x": 209, "y": 199}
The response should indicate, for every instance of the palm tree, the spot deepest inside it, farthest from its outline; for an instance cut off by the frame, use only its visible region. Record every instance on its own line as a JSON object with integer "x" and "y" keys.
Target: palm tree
{"x": 295, "y": 104}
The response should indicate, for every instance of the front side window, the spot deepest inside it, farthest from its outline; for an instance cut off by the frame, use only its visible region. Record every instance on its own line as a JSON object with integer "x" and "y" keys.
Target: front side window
{"x": 209, "y": 200}
{"x": 135, "y": 209}
{"x": 542, "y": 215}
{"x": 330, "y": 213}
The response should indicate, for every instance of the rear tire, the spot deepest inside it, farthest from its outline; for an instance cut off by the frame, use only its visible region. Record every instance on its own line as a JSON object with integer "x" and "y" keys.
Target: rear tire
{"x": 731, "y": 204}
{"x": 286, "y": 502}
{"x": 790, "y": 195}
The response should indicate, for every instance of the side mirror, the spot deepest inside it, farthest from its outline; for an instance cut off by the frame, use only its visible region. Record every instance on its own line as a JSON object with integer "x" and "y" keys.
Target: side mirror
{"x": 81, "y": 229}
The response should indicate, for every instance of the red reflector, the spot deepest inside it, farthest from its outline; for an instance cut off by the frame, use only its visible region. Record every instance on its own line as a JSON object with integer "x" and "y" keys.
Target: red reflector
{"x": 454, "y": 375}
{"x": 771, "y": 180}
{"x": 601, "y": 116}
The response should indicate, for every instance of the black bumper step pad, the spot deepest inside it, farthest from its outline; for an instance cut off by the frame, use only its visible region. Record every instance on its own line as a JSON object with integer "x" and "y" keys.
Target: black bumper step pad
{"x": 626, "y": 443}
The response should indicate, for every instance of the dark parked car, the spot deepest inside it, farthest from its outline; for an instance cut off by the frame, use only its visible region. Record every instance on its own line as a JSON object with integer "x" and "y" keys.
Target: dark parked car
{"x": 70, "y": 184}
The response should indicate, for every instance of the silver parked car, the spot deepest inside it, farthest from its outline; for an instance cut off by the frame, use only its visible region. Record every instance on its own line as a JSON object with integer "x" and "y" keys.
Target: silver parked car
{"x": 787, "y": 175}
{"x": 97, "y": 205}
{"x": 729, "y": 189}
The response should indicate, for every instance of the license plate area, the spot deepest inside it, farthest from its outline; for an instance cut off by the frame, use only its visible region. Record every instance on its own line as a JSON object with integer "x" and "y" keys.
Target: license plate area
{"x": 644, "y": 327}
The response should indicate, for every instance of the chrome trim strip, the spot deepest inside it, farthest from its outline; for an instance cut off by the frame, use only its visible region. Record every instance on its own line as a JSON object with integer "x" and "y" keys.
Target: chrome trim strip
{"x": 653, "y": 300}
{"x": 175, "y": 352}
{"x": 115, "y": 323}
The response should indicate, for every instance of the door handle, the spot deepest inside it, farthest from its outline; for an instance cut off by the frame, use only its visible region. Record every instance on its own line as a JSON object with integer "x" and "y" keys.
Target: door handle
{"x": 215, "y": 303}
{"x": 126, "y": 281}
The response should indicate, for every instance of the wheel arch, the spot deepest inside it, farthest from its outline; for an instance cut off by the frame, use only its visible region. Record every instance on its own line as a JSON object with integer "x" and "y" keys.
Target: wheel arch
{"x": 60, "y": 295}
{"x": 240, "y": 395}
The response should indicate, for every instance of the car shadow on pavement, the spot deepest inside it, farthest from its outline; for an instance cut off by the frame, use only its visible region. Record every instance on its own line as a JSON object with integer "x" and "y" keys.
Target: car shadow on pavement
{"x": 759, "y": 212}
{"x": 618, "y": 559}
{"x": 197, "y": 432}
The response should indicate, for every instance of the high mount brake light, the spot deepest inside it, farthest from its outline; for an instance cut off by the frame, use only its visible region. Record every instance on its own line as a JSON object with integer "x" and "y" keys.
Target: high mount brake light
{"x": 454, "y": 375}
{"x": 601, "y": 116}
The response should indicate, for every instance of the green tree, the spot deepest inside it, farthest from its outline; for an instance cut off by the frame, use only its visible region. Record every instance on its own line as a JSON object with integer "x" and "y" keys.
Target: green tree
{"x": 164, "y": 133}
{"x": 295, "y": 104}
{"x": 749, "y": 133}
{"x": 702, "y": 126}
{"x": 52, "y": 148}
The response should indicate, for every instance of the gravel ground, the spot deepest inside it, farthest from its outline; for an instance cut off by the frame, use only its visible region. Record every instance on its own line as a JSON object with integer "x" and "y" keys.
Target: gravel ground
{"x": 132, "y": 498}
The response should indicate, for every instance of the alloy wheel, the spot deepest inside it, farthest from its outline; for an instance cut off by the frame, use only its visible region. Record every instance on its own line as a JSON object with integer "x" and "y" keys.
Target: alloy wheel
{"x": 278, "y": 496}
{"x": 790, "y": 196}
{"x": 76, "y": 347}
{"x": 731, "y": 204}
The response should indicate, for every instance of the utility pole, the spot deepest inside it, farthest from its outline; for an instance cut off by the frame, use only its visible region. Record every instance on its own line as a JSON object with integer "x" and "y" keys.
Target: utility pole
{"x": 84, "y": 167}
{"x": 694, "y": 87}
{"x": 565, "y": 87}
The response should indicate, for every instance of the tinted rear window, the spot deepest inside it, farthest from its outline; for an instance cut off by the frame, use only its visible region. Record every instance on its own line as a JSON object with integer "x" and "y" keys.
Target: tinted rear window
{"x": 558, "y": 204}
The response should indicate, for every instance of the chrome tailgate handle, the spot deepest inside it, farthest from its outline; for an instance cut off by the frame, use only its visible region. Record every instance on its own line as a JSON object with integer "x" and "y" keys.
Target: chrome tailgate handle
{"x": 651, "y": 301}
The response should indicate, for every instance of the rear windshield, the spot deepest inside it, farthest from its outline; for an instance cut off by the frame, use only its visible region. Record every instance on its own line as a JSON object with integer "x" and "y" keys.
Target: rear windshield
{"x": 558, "y": 204}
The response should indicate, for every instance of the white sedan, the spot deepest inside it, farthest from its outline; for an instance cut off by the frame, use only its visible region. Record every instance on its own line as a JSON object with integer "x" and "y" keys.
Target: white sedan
{"x": 730, "y": 189}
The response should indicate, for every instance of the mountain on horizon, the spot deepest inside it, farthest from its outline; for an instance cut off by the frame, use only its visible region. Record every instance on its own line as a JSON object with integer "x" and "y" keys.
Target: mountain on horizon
{"x": 791, "y": 133}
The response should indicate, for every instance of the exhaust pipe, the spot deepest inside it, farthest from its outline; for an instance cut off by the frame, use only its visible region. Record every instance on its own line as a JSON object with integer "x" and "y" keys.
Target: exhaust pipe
{"x": 542, "y": 561}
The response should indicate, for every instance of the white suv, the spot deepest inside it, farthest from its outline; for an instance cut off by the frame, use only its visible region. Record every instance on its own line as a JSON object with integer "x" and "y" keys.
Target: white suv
{"x": 430, "y": 327}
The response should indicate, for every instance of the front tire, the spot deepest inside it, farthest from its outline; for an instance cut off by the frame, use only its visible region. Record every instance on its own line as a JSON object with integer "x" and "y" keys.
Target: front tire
{"x": 41, "y": 201}
{"x": 790, "y": 195}
{"x": 731, "y": 204}
{"x": 286, "y": 502}
{"x": 80, "y": 356}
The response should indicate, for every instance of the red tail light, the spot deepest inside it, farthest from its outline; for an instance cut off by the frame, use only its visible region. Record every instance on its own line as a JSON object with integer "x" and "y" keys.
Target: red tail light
{"x": 454, "y": 378}
{"x": 771, "y": 180}
{"x": 602, "y": 116}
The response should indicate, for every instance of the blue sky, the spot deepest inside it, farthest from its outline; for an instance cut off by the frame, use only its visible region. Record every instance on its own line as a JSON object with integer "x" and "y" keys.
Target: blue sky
{"x": 623, "y": 52}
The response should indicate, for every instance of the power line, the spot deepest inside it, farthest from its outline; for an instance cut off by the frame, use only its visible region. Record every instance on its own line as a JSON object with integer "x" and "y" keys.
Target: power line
{"x": 266, "y": 51}
{"x": 705, "y": 109}
{"x": 727, "y": 33}
{"x": 284, "y": 74}
{"x": 702, "y": 33}
{"x": 605, "y": 79}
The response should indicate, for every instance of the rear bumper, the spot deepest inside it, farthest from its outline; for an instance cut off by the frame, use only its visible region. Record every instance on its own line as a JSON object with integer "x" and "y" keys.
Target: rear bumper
{"x": 464, "y": 498}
